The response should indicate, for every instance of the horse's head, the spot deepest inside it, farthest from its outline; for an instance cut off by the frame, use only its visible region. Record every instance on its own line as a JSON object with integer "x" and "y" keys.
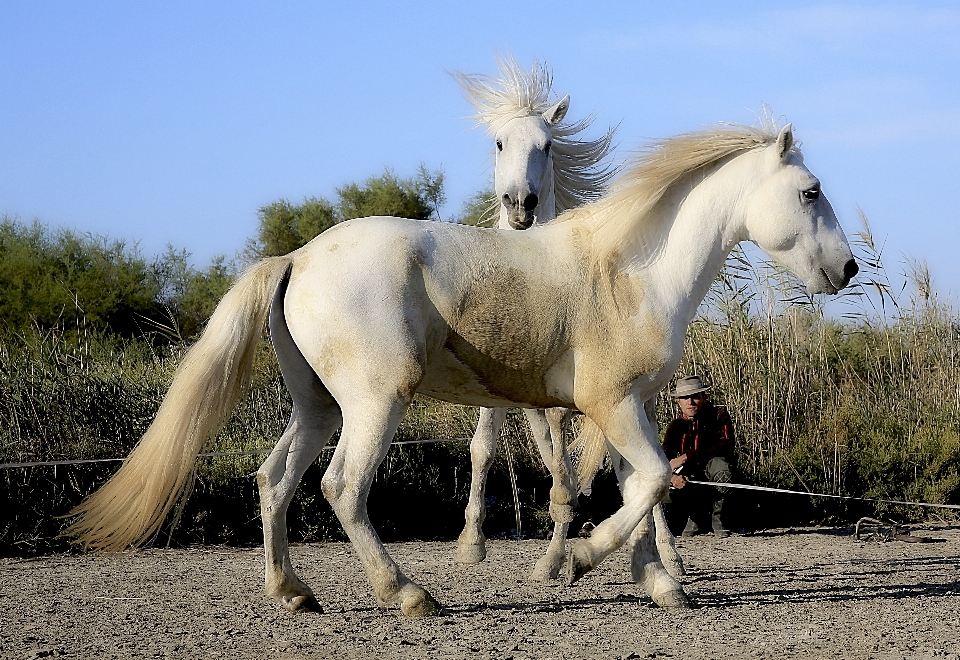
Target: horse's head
{"x": 791, "y": 220}
{"x": 523, "y": 177}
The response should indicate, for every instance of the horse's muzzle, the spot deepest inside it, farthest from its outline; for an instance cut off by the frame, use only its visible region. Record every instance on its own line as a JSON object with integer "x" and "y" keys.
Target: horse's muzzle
{"x": 519, "y": 219}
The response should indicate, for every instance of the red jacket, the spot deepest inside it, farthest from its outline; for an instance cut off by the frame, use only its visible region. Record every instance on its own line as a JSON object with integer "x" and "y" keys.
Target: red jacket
{"x": 708, "y": 435}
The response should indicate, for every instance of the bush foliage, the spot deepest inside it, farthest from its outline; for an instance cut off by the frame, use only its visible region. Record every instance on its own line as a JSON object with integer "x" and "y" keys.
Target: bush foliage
{"x": 59, "y": 277}
{"x": 284, "y": 227}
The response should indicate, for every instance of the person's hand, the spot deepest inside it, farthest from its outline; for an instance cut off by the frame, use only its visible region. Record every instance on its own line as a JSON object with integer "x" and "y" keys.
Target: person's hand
{"x": 678, "y": 481}
{"x": 678, "y": 461}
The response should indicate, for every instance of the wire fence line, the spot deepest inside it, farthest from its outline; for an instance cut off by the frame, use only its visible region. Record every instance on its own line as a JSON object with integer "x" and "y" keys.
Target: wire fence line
{"x": 424, "y": 441}
{"x": 249, "y": 452}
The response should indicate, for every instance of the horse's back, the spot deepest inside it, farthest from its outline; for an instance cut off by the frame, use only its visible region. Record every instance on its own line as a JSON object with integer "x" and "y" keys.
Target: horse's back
{"x": 481, "y": 312}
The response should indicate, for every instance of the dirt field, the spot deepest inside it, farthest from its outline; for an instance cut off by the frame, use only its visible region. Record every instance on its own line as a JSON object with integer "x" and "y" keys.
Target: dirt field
{"x": 804, "y": 593}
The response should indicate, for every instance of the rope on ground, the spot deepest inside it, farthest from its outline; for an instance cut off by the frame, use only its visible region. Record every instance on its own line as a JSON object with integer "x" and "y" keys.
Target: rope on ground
{"x": 767, "y": 489}
{"x": 7, "y": 466}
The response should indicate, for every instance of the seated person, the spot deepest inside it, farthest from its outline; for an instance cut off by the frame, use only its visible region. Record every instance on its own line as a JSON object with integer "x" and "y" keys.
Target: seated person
{"x": 699, "y": 445}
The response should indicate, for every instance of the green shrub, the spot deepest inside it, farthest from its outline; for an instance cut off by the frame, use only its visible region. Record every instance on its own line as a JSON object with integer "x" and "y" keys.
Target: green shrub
{"x": 58, "y": 278}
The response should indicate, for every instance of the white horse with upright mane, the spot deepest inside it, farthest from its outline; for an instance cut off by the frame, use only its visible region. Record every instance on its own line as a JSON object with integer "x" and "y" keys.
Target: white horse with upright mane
{"x": 588, "y": 312}
{"x": 541, "y": 169}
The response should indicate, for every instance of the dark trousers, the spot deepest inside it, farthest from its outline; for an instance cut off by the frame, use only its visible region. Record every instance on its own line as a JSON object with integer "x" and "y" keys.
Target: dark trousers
{"x": 700, "y": 505}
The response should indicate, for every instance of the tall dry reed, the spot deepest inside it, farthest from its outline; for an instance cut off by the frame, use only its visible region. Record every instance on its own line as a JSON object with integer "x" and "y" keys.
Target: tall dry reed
{"x": 861, "y": 398}
{"x": 83, "y": 395}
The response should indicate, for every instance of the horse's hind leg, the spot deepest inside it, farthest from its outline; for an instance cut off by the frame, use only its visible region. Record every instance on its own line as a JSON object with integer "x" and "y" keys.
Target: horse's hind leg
{"x": 471, "y": 546}
{"x": 367, "y": 432}
{"x": 315, "y": 418}
{"x": 278, "y": 479}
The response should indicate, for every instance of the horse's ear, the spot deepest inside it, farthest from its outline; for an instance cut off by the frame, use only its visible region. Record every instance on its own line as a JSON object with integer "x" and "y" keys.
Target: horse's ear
{"x": 785, "y": 141}
{"x": 555, "y": 113}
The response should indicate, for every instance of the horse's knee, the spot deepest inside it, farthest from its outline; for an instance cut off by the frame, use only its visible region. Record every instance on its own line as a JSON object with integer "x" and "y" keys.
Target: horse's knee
{"x": 482, "y": 454}
{"x": 653, "y": 483}
{"x": 658, "y": 479}
{"x": 483, "y": 449}
{"x": 661, "y": 488}
{"x": 331, "y": 485}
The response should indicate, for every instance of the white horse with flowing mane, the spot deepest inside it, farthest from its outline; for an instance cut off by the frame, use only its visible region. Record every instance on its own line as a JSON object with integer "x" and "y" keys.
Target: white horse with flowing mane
{"x": 588, "y": 312}
{"x": 541, "y": 169}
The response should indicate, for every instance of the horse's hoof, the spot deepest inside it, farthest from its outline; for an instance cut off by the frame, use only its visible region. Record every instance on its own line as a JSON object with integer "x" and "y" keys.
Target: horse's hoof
{"x": 562, "y": 513}
{"x": 303, "y": 603}
{"x": 470, "y": 553}
{"x": 578, "y": 564}
{"x": 540, "y": 575}
{"x": 673, "y": 600}
{"x": 419, "y": 606}
{"x": 546, "y": 569}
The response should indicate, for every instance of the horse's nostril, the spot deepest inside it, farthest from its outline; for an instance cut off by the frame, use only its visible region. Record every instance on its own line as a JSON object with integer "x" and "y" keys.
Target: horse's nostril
{"x": 506, "y": 199}
{"x": 530, "y": 202}
{"x": 850, "y": 269}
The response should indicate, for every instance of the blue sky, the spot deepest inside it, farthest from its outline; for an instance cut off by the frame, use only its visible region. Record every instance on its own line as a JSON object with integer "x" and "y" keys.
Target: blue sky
{"x": 173, "y": 122}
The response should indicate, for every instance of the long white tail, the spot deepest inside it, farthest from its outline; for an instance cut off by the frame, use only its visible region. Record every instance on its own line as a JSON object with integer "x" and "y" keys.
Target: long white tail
{"x": 130, "y": 508}
{"x": 590, "y": 448}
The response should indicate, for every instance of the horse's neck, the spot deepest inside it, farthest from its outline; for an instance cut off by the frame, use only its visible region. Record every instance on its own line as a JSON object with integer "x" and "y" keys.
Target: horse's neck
{"x": 702, "y": 227}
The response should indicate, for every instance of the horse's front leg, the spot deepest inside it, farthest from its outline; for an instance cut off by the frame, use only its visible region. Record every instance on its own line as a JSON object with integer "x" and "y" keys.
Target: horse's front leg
{"x": 647, "y": 569}
{"x": 645, "y": 477}
{"x": 471, "y": 546}
{"x": 548, "y": 430}
{"x": 667, "y": 544}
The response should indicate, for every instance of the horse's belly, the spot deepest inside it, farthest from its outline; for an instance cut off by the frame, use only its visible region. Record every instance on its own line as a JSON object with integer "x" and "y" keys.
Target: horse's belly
{"x": 450, "y": 377}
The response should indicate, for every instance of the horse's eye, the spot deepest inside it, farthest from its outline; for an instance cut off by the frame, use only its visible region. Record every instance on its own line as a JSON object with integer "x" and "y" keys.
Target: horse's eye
{"x": 811, "y": 194}
{"x": 546, "y": 149}
{"x": 499, "y": 145}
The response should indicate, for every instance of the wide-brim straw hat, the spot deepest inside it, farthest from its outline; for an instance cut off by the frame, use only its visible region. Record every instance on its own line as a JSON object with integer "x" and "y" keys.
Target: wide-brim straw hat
{"x": 689, "y": 385}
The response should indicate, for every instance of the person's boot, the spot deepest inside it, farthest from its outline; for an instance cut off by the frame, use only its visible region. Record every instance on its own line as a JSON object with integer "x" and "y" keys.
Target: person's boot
{"x": 719, "y": 530}
{"x": 691, "y": 529}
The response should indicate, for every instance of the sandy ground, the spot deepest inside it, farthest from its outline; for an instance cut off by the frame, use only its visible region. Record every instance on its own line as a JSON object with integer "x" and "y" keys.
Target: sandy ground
{"x": 799, "y": 593}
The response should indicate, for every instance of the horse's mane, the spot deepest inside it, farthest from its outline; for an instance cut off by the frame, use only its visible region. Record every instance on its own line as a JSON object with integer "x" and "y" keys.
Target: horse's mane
{"x": 652, "y": 171}
{"x": 580, "y": 176}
